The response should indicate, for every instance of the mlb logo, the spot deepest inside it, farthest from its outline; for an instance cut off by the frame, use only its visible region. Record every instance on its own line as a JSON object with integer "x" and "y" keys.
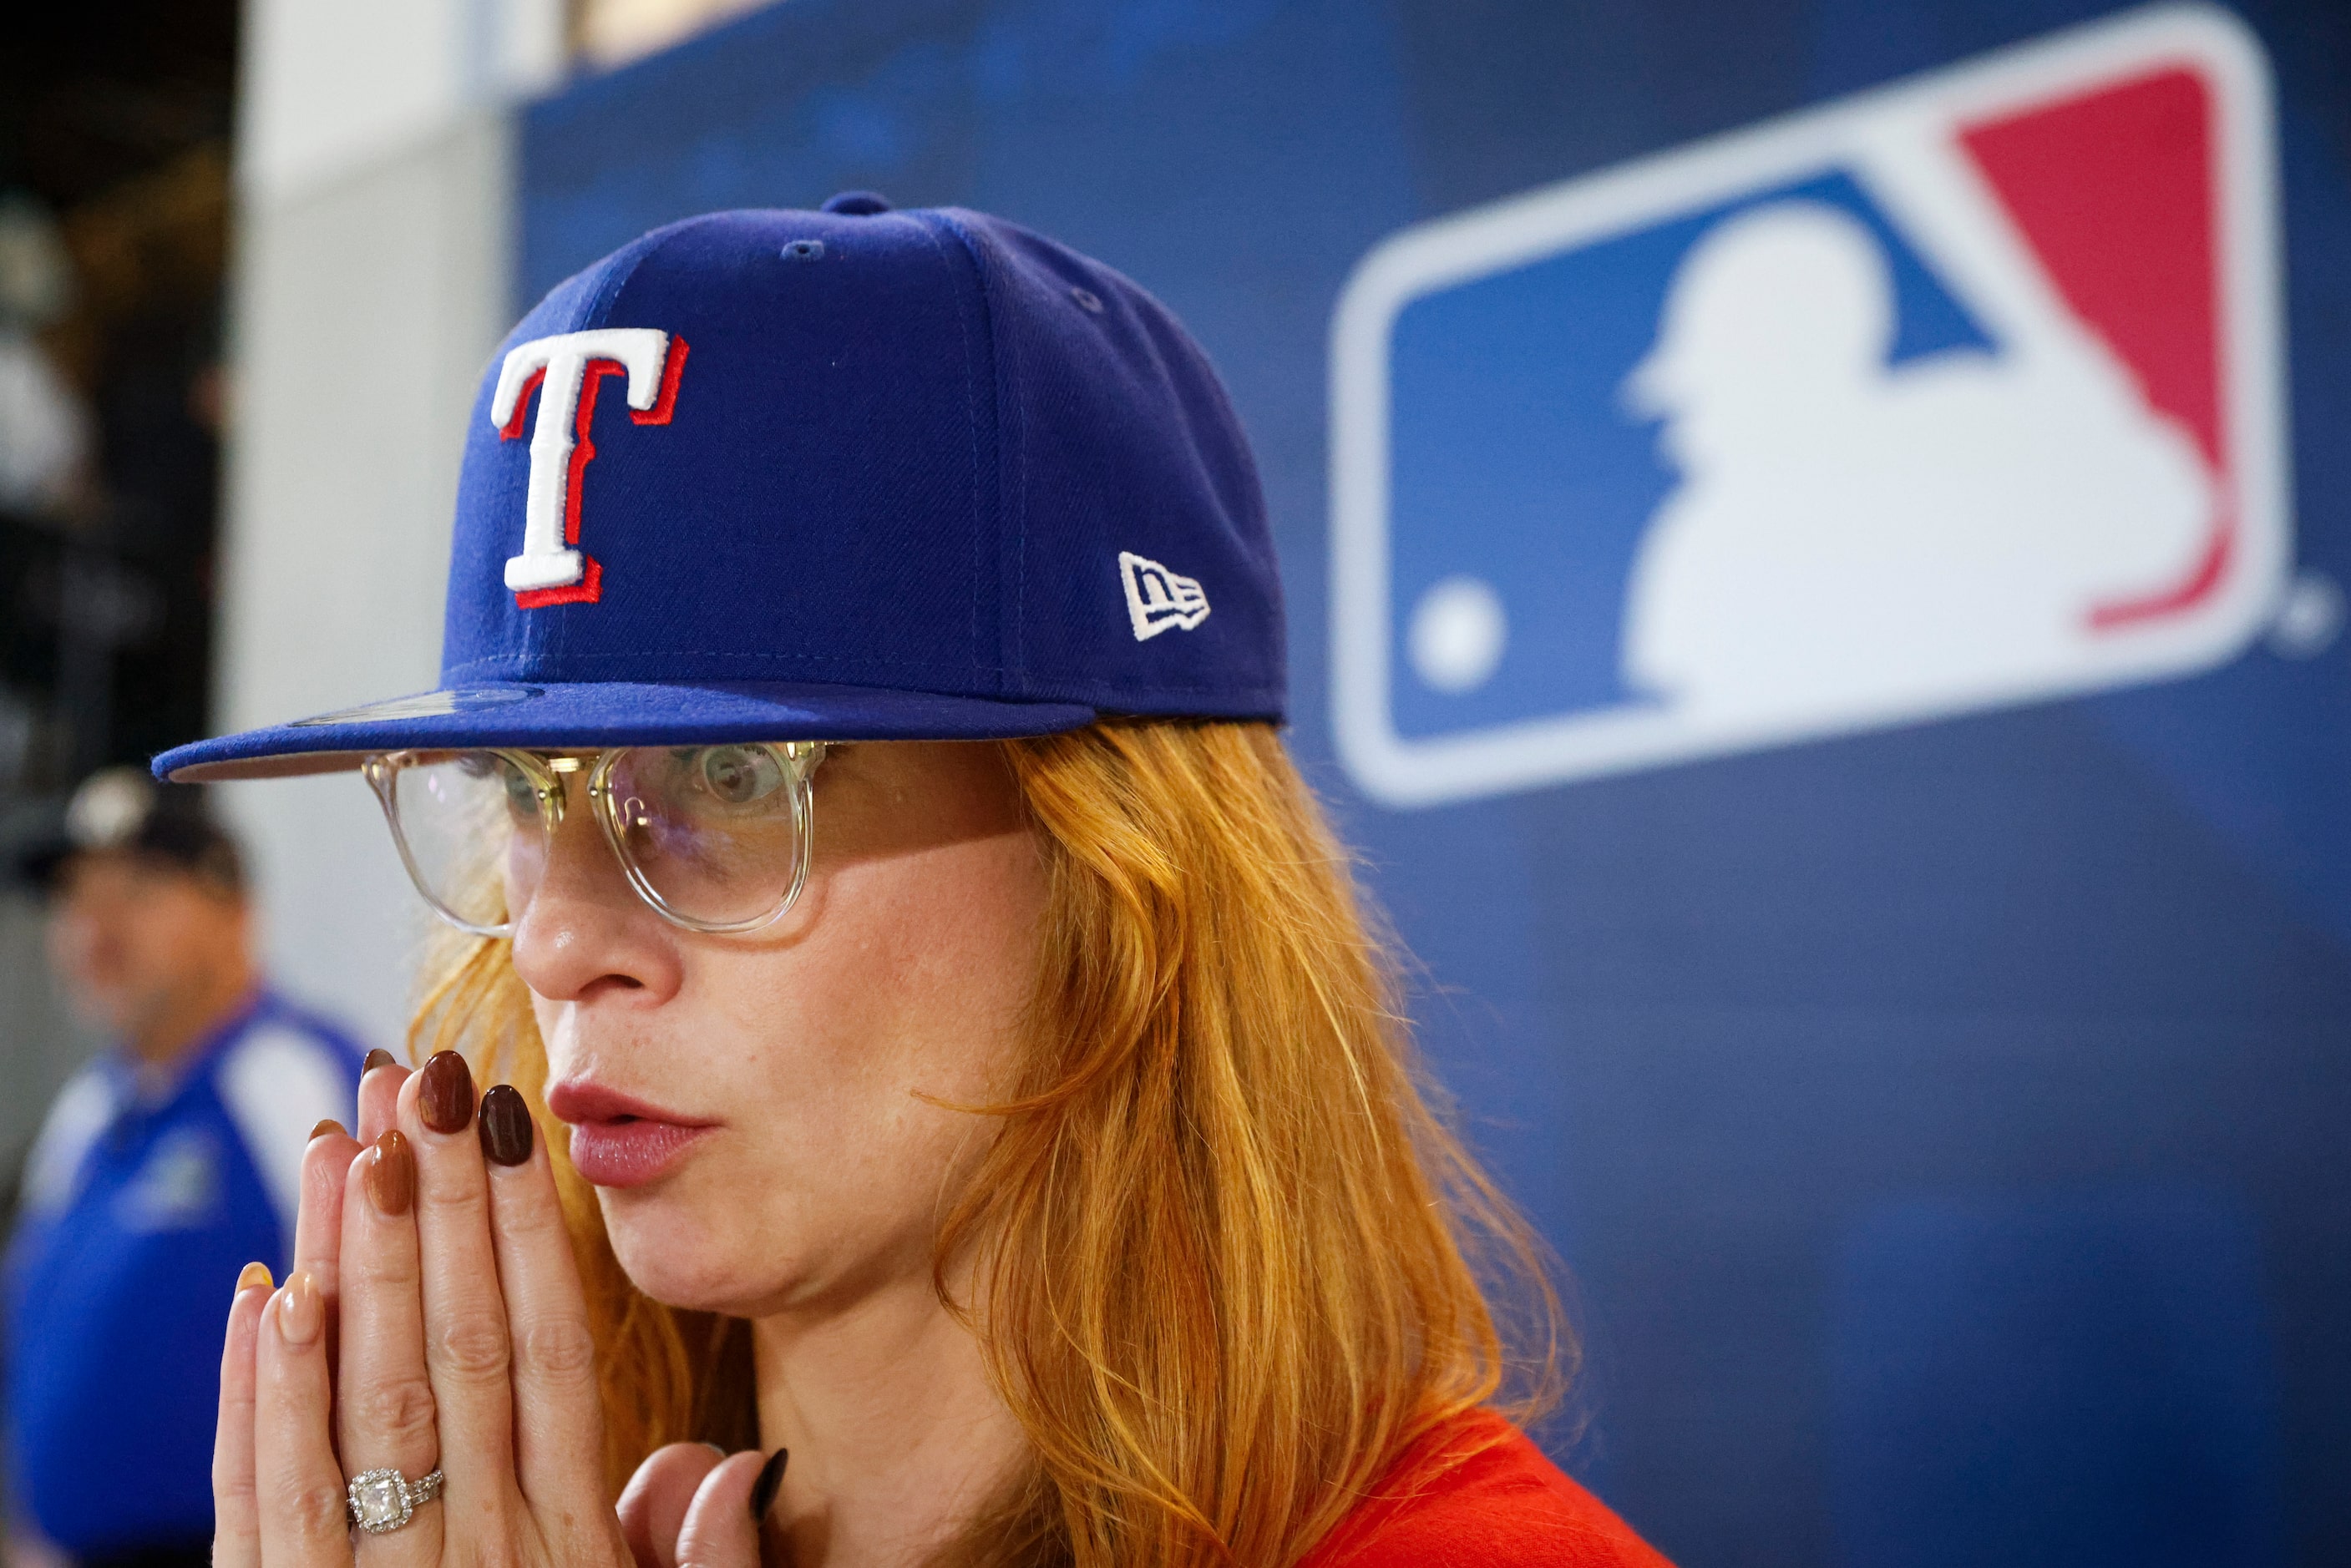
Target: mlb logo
{"x": 1961, "y": 393}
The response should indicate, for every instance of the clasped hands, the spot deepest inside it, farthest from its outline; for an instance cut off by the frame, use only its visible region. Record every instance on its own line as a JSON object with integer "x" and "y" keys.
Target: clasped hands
{"x": 434, "y": 1319}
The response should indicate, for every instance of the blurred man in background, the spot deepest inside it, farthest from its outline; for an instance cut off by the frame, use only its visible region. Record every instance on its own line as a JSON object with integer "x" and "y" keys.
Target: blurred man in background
{"x": 164, "y": 1167}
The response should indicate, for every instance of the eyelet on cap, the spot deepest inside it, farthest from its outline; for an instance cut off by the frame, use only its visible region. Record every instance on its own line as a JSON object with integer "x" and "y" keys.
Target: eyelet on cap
{"x": 1088, "y": 300}
{"x": 804, "y": 250}
{"x": 858, "y": 204}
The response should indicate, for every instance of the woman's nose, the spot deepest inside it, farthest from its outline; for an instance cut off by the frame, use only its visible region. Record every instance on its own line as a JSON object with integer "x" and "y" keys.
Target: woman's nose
{"x": 583, "y": 935}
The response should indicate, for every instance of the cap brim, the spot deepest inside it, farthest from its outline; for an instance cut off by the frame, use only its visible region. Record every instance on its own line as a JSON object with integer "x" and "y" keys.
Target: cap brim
{"x": 543, "y": 716}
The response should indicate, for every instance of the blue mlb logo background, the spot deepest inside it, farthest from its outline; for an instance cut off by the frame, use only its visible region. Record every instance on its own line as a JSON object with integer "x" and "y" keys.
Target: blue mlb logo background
{"x": 1857, "y": 418}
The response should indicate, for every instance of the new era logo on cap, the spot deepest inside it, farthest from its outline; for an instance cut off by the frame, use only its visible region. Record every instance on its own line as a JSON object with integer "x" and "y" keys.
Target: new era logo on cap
{"x": 1157, "y": 598}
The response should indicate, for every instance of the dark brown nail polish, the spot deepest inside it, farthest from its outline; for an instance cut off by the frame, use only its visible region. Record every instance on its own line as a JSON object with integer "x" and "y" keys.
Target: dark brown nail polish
{"x": 379, "y": 1057}
{"x": 506, "y": 1126}
{"x": 329, "y": 1125}
{"x": 771, "y": 1478}
{"x": 392, "y": 1174}
{"x": 446, "y": 1099}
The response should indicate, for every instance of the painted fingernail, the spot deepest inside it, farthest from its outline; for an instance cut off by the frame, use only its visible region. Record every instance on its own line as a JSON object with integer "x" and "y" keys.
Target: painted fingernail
{"x": 445, "y": 1100}
{"x": 329, "y": 1125}
{"x": 771, "y": 1476}
{"x": 392, "y": 1175}
{"x": 253, "y": 1276}
{"x": 379, "y": 1057}
{"x": 506, "y": 1126}
{"x": 298, "y": 1313}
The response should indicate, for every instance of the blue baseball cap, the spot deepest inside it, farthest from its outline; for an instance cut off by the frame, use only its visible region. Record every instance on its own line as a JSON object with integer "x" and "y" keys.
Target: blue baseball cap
{"x": 848, "y": 475}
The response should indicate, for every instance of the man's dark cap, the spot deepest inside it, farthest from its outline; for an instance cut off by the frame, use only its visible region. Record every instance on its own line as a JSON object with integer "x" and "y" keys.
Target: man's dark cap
{"x": 123, "y": 810}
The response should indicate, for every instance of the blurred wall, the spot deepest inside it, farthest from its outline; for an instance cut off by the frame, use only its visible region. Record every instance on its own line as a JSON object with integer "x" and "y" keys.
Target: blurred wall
{"x": 373, "y": 255}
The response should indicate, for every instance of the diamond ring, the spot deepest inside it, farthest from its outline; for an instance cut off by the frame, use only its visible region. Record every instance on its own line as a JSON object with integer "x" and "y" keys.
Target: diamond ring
{"x": 383, "y": 1501}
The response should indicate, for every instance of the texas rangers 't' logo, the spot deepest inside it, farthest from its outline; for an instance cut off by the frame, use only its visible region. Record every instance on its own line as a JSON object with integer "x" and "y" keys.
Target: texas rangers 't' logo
{"x": 566, "y": 369}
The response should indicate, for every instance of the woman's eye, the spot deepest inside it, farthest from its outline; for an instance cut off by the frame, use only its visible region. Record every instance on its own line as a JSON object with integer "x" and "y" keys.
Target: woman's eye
{"x": 522, "y": 796}
{"x": 738, "y": 776}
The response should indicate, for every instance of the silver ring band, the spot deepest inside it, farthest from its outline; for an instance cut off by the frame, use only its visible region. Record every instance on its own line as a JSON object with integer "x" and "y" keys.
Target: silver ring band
{"x": 382, "y": 1500}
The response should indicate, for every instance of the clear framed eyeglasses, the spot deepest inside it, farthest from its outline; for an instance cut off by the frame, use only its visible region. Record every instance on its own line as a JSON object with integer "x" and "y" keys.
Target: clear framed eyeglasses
{"x": 714, "y": 838}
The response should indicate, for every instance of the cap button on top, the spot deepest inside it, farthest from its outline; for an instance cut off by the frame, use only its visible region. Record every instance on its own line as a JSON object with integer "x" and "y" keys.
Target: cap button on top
{"x": 857, "y": 204}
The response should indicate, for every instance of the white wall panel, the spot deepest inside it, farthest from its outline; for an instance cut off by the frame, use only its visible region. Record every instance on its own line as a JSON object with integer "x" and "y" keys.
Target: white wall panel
{"x": 374, "y": 261}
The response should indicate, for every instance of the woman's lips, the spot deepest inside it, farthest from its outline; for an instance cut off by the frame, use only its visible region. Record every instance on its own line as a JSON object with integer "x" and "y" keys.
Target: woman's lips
{"x": 617, "y": 1140}
{"x": 628, "y": 1153}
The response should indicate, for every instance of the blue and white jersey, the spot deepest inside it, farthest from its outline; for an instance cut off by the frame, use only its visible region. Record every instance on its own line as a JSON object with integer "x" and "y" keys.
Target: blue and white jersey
{"x": 141, "y": 1204}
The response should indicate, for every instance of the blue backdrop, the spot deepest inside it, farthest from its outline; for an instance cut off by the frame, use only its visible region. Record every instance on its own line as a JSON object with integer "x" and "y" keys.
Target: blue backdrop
{"x": 1944, "y": 1127}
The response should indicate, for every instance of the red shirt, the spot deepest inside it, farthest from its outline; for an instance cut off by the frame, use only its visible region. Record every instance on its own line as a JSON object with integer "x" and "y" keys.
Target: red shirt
{"x": 1506, "y": 1506}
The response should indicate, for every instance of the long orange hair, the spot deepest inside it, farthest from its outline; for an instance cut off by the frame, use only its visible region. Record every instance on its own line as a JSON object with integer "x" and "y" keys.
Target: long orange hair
{"x": 1232, "y": 1262}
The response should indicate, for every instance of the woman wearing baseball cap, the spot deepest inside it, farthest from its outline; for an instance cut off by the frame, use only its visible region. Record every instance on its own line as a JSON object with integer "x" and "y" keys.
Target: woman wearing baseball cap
{"x": 854, "y": 802}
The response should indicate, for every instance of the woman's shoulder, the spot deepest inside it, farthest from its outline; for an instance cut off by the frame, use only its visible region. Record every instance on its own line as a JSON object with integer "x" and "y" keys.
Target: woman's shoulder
{"x": 1473, "y": 1490}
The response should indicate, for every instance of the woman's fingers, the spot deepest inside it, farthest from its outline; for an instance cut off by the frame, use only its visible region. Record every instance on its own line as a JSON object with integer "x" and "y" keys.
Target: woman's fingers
{"x": 379, "y": 1096}
{"x": 317, "y": 1229}
{"x": 559, "y": 1421}
{"x": 466, "y": 1353}
{"x": 653, "y": 1504}
{"x": 298, "y": 1496}
{"x": 722, "y": 1523}
{"x": 318, "y": 1225}
{"x": 385, "y": 1418}
{"x": 236, "y": 1528}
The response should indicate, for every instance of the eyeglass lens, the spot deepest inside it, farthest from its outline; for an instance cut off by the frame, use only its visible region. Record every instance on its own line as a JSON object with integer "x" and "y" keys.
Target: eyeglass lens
{"x": 710, "y": 830}
{"x": 711, "y": 836}
{"x": 455, "y": 815}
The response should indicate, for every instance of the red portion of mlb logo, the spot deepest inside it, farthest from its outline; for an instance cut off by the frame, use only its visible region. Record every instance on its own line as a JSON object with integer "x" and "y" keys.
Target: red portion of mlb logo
{"x": 2115, "y": 192}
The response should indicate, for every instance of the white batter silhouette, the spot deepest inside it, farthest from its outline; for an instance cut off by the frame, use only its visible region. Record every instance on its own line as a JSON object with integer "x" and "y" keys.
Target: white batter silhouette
{"x": 1846, "y": 535}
